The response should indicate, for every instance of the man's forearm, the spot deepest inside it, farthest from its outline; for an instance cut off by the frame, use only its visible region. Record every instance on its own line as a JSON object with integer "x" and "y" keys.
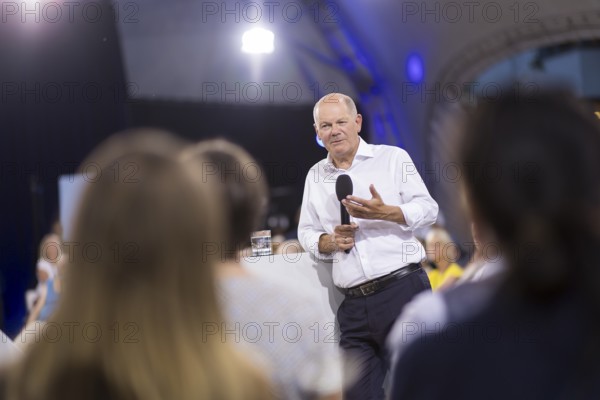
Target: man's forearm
{"x": 394, "y": 214}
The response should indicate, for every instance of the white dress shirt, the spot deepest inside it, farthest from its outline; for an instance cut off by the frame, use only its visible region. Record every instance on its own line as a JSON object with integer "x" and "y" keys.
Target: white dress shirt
{"x": 380, "y": 246}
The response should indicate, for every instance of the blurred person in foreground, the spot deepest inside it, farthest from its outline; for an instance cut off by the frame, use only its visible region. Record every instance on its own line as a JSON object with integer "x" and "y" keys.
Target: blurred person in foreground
{"x": 537, "y": 336}
{"x": 431, "y": 312}
{"x": 381, "y": 271}
{"x": 132, "y": 315}
{"x": 301, "y": 362}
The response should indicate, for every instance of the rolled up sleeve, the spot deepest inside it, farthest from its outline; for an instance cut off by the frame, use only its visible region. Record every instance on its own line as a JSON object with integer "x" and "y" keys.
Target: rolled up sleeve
{"x": 310, "y": 228}
{"x": 419, "y": 208}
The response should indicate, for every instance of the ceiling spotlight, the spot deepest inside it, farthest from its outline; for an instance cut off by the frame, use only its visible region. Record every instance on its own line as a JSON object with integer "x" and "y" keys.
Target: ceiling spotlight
{"x": 258, "y": 40}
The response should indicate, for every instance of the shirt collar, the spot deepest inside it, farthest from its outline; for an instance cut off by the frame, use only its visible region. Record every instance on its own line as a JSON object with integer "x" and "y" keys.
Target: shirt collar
{"x": 364, "y": 151}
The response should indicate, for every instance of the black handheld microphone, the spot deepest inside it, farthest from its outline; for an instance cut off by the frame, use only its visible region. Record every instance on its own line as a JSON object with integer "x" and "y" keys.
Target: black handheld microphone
{"x": 343, "y": 188}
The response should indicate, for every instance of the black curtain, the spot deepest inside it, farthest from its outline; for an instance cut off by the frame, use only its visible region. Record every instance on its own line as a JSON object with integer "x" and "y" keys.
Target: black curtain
{"x": 280, "y": 137}
{"x": 62, "y": 93}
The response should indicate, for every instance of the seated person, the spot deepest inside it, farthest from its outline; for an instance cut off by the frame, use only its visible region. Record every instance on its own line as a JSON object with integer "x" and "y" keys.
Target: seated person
{"x": 431, "y": 311}
{"x": 536, "y": 337}
{"x": 132, "y": 317}
{"x": 53, "y": 261}
{"x": 284, "y": 327}
{"x": 49, "y": 256}
{"x": 442, "y": 253}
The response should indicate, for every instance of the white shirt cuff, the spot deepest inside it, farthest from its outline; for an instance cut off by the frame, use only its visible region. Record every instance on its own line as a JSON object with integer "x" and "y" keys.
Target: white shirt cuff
{"x": 313, "y": 242}
{"x": 413, "y": 214}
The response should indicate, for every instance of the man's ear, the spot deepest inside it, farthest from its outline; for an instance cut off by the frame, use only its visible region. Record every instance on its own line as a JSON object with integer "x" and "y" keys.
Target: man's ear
{"x": 316, "y": 130}
{"x": 358, "y": 121}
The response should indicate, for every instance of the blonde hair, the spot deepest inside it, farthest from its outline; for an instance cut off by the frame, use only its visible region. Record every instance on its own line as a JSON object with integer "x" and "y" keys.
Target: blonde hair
{"x": 147, "y": 290}
{"x": 438, "y": 235}
{"x": 439, "y": 240}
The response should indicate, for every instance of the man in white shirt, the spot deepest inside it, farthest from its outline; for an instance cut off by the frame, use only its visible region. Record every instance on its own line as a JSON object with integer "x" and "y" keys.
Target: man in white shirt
{"x": 381, "y": 272}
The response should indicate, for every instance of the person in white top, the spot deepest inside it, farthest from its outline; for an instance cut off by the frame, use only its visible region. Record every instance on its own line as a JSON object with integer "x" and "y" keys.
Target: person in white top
{"x": 49, "y": 255}
{"x": 258, "y": 312}
{"x": 381, "y": 272}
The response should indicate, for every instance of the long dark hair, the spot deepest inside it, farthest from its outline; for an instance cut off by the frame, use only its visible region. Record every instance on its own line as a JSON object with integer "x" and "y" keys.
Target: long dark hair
{"x": 531, "y": 165}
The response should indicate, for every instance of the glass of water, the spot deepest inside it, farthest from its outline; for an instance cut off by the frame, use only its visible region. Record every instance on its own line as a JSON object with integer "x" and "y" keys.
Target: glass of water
{"x": 261, "y": 243}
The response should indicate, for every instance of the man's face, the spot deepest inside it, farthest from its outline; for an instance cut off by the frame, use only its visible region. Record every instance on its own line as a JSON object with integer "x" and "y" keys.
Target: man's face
{"x": 338, "y": 129}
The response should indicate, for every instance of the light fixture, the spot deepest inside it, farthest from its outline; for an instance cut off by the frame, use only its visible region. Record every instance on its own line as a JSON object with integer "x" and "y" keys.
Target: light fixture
{"x": 257, "y": 41}
{"x": 415, "y": 68}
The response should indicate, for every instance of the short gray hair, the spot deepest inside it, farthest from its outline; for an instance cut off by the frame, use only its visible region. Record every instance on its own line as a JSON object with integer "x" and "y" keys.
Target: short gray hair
{"x": 350, "y": 105}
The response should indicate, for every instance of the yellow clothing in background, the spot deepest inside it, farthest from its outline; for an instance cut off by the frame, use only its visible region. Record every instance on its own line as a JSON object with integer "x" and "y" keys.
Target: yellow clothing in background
{"x": 437, "y": 278}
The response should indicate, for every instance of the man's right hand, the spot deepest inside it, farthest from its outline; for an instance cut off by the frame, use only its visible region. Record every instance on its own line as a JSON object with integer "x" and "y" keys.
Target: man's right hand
{"x": 341, "y": 239}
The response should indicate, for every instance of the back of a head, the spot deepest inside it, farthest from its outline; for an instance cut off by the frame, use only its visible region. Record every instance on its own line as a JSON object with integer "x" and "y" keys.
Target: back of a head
{"x": 139, "y": 213}
{"x": 530, "y": 164}
{"x": 240, "y": 183}
{"x": 139, "y": 273}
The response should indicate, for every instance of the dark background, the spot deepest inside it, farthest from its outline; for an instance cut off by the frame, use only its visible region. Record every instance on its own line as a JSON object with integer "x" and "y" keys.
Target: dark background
{"x": 64, "y": 88}
{"x": 48, "y": 129}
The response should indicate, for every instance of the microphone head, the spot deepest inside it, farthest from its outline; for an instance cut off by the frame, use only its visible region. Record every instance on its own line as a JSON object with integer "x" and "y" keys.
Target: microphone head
{"x": 343, "y": 186}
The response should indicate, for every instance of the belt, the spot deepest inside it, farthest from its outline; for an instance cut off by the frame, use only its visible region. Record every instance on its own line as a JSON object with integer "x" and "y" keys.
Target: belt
{"x": 377, "y": 284}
